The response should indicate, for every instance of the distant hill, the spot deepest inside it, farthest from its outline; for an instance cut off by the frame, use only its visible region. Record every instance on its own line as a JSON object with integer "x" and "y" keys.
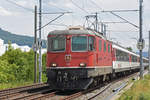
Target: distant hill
{"x": 18, "y": 39}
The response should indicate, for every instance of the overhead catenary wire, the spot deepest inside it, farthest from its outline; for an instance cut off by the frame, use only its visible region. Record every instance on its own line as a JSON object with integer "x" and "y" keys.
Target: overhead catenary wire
{"x": 31, "y": 10}
{"x": 25, "y": 8}
{"x": 101, "y": 9}
{"x": 51, "y": 21}
{"x": 96, "y": 4}
{"x": 122, "y": 31}
{"x": 115, "y": 14}
{"x": 79, "y": 7}
{"x": 56, "y": 7}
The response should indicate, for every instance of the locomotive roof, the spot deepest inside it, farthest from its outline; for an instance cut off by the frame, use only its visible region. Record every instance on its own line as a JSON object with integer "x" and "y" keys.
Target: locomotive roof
{"x": 69, "y": 32}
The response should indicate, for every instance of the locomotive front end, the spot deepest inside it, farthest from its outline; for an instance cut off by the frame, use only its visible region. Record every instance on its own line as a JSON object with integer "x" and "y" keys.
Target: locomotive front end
{"x": 68, "y": 60}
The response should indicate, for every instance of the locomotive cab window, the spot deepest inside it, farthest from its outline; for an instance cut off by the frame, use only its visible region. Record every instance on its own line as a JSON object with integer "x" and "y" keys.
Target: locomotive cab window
{"x": 91, "y": 43}
{"x": 79, "y": 43}
{"x": 56, "y": 43}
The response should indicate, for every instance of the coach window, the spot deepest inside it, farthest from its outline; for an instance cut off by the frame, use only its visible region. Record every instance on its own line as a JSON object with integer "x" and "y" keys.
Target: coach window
{"x": 91, "y": 43}
{"x": 100, "y": 45}
{"x": 104, "y": 46}
{"x": 108, "y": 48}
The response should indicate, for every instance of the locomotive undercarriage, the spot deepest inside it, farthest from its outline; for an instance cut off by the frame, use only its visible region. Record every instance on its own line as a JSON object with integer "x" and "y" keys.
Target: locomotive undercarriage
{"x": 81, "y": 78}
{"x": 71, "y": 79}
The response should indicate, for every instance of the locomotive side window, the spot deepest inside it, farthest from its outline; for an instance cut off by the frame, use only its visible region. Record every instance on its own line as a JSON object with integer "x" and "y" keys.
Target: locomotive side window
{"x": 108, "y": 48}
{"x": 56, "y": 43}
{"x": 100, "y": 45}
{"x": 79, "y": 43}
{"x": 104, "y": 46}
{"x": 91, "y": 43}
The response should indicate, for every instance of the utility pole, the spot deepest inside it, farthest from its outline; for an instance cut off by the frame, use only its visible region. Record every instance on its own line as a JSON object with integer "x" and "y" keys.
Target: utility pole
{"x": 149, "y": 52}
{"x": 96, "y": 19}
{"x": 140, "y": 37}
{"x": 40, "y": 42}
{"x": 104, "y": 30}
{"x": 35, "y": 45}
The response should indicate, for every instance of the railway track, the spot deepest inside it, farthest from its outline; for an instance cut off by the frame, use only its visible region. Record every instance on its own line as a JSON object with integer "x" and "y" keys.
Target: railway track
{"x": 42, "y": 92}
{"x": 78, "y": 94}
{"x": 105, "y": 86}
{"x": 13, "y": 92}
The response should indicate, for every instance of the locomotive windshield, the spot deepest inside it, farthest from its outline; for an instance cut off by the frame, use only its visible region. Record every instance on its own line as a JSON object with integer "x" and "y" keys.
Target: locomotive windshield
{"x": 79, "y": 43}
{"x": 56, "y": 43}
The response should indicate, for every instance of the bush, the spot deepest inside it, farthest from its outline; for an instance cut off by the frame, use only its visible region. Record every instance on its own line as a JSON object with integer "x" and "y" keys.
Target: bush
{"x": 18, "y": 66}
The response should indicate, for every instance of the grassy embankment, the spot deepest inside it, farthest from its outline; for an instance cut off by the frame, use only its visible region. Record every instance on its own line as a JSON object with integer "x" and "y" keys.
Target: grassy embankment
{"x": 17, "y": 68}
{"x": 14, "y": 84}
{"x": 139, "y": 91}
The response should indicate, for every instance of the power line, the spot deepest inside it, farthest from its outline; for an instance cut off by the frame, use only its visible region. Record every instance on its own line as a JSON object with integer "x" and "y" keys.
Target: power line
{"x": 28, "y": 9}
{"x": 113, "y": 22}
{"x": 79, "y": 7}
{"x": 31, "y": 10}
{"x": 56, "y": 7}
{"x": 95, "y": 4}
{"x": 121, "y": 10}
{"x": 101, "y": 10}
{"x": 124, "y": 19}
{"x": 122, "y": 31}
{"x": 55, "y": 12}
{"x": 50, "y": 21}
{"x": 59, "y": 25}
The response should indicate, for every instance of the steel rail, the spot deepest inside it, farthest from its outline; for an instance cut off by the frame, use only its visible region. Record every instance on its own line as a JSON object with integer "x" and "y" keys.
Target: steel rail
{"x": 5, "y": 90}
{"x": 76, "y": 95}
{"x": 117, "y": 89}
{"x": 17, "y": 93}
{"x": 45, "y": 96}
{"x": 33, "y": 95}
{"x": 14, "y": 91}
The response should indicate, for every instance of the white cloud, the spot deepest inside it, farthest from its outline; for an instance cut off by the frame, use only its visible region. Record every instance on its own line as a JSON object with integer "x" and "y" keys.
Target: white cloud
{"x": 22, "y": 3}
{"x": 4, "y": 12}
{"x": 52, "y": 3}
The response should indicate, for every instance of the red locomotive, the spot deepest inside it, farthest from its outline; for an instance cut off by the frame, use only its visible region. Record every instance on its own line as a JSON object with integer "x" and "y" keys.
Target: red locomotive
{"x": 78, "y": 57}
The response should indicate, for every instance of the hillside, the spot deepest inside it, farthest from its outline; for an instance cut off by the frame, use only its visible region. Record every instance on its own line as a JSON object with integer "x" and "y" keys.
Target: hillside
{"x": 18, "y": 39}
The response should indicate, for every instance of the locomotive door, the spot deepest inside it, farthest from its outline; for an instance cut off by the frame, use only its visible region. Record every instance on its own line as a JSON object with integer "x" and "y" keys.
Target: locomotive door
{"x": 92, "y": 50}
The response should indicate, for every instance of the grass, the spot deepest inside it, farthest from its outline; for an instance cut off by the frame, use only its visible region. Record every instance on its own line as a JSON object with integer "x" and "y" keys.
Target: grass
{"x": 139, "y": 91}
{"x": 20, "y": 83}
{"x": 14, "y": 84}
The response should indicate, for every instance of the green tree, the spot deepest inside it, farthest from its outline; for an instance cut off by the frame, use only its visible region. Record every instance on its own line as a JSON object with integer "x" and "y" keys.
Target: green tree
{"x": 18, "y": 66}
{"x": 129, "y": 48}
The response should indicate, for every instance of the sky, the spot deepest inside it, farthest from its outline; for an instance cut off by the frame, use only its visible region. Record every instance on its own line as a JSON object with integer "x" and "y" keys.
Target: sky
{"x": 17, "y": 16}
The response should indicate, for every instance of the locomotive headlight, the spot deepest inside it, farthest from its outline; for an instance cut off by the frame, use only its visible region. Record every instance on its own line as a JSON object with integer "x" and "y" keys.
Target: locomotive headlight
{"x": 82, "y": 65}
{"x": 54, "y": 65}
